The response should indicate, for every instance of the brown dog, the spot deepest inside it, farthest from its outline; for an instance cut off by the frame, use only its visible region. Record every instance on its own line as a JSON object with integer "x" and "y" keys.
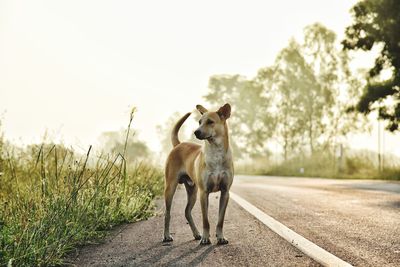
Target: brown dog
{"x": 207, "y": 169}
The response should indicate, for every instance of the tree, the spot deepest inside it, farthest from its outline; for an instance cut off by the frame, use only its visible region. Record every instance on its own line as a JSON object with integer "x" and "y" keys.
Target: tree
{"x": 114, "y": 142}
{"x": 376, "y": 24}
{"x": 164, "y": 132}
{"x": 312, "y": 88}
{"x": 298, "y": 99}
{"x": 251, "y": 125}
{"x": 339, "y": 85}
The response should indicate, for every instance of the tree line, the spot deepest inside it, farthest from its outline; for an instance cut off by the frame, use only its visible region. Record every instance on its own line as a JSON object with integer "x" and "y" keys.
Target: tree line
{"x": 300, "y": 101}
{"x": 309, "y": 99}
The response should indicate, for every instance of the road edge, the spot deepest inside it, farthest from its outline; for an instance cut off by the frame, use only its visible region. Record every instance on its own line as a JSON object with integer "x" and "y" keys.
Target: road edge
{"x": 306, "y": 246}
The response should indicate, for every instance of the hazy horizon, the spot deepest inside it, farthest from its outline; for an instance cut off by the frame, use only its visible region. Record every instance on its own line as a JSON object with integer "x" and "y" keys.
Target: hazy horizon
{"x": 75, "y": 69}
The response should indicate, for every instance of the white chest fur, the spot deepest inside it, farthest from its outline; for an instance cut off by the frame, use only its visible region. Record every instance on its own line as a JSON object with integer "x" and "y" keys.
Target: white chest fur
{"x": 217, "y": 159}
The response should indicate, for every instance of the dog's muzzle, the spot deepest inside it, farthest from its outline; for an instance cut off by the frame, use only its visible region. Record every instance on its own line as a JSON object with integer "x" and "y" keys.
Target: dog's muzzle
{"x": 199, "y": 135}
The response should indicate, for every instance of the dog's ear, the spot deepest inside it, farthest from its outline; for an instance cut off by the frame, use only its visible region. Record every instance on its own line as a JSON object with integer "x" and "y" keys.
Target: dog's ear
{"x": 224, "y": 112}
{"x": 201, "y": 109}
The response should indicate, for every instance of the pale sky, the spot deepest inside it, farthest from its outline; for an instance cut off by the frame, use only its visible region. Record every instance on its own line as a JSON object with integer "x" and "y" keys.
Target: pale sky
{"x": 74, "y": 68}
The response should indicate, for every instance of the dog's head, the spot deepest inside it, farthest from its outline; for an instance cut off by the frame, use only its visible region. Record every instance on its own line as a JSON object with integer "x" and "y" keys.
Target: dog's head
{"x": 212, "y": 124}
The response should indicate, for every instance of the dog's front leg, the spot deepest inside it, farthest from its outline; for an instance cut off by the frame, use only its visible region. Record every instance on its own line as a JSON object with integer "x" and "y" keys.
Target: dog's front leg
{"x": 205, "y": 239}
{"x": 223, "y": 203}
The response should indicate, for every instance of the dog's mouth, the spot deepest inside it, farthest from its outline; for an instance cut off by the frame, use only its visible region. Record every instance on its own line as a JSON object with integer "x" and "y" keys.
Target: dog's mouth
{"x": 203, "y": 137}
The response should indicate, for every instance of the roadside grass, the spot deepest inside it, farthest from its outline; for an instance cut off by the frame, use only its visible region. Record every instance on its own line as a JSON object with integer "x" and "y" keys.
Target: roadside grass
{"x": 52, "y": 200}
{"x": 325, "y": 165}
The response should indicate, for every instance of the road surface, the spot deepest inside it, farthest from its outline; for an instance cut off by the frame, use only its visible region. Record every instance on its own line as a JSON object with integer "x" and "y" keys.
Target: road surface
{"x": 356, "y": 220}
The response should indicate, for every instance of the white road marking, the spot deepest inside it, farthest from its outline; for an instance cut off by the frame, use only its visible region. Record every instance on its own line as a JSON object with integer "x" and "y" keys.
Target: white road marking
{"x": 306, "y": 246}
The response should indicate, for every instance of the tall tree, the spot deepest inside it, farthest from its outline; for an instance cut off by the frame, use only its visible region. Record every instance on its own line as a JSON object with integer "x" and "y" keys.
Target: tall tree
{"x": 338, "y": 84}
{"x": 312, "y": 88}
{"x": 251, "y": 124}
{"x": 298, "y": 99}
{"x": 377, "y": 24}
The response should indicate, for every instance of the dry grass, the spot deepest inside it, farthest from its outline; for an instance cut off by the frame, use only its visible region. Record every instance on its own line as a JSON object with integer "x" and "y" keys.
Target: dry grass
{"x": 52, "y": 200}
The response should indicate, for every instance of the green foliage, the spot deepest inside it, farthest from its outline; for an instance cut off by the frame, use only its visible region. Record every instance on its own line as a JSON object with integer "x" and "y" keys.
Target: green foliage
{"x": 125, "y": 143}
{"x": 134, "y": 150}
{"x": 355, "y": 165}
{"x": 52, "y": 200}
{"x": 251, "y": 123}
{"x": 377, "y": 23}
{"x": 298, "y": 96}
{"x": 300, "y": 101}
{"x": 313, "y": 88}
{"x": 114, "y": 142}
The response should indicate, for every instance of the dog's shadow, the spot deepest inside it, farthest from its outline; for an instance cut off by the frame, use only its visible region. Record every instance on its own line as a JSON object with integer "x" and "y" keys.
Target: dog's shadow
{"x": 180, "y": 260}
{"x": 191, "y": 257}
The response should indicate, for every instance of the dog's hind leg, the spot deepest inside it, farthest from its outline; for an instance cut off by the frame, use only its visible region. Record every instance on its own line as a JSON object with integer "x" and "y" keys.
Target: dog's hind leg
{"x": 169, "y": 195}
{"x": 191, "y": 191}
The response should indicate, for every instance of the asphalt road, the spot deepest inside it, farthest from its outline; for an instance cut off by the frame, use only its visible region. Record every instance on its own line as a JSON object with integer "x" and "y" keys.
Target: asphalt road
{"x": 356, "y": 220}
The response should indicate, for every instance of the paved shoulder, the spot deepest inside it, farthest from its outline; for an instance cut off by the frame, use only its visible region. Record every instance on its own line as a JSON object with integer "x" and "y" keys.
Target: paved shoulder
{"x": 139, "y": 244}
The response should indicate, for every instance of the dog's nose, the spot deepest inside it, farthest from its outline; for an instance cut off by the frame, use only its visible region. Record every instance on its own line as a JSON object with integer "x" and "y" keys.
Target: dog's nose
{"x": 197, "y": 133}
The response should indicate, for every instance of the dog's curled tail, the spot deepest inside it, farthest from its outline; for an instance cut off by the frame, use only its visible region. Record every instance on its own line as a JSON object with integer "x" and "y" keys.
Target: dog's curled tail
{"x": 174, "y": 135}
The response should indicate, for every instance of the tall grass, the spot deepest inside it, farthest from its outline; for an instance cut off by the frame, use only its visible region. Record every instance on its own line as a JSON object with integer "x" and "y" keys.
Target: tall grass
{"x": 52, "y": 200}
{"x": 354, "y": 165}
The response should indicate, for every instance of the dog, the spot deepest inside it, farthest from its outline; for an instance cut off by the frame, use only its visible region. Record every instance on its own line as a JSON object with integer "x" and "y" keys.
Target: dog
{"x": 207, "y": 169}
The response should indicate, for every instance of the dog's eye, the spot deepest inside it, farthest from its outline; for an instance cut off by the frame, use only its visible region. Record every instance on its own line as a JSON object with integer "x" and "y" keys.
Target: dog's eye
{"x": 210, "y": 122}
{"x": 199, "y": 121}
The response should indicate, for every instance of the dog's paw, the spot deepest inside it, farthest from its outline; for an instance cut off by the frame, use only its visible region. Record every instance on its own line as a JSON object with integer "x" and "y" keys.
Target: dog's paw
{"x": 205, "y": 241}
{"x": 222, "y": 241}
{"x": 167, "y": 239}
{"x": 197, "y": 237}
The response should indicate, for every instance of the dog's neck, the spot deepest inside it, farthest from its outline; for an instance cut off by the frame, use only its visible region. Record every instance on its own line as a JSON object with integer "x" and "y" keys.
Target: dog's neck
{"x": 217, "y": 148}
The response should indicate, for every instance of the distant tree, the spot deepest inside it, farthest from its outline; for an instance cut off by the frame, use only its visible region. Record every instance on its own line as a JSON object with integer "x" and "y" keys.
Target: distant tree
{"x": 312, "y": 87}
{"x": 164, "y": 132}
{"x": 114, "y": 142}
{"x": 298, "y": 99}
{"x": 251, "y": 123}
{"x": 339, "y": 86}
{"x": 377, "y": 23}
